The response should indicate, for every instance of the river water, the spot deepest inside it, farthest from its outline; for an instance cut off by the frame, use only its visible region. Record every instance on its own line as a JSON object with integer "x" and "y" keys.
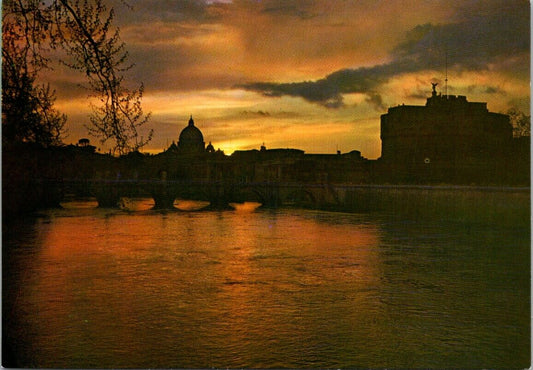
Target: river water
{"x": 88, "y": 287}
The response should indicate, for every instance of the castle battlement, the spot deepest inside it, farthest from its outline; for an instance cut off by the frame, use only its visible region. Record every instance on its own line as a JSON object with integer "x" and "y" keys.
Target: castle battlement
{"x": 454, "y": 102}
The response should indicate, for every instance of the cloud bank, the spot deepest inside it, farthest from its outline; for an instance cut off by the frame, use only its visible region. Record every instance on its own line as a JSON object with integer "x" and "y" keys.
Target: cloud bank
{"x": 302, "y": 69}
{"x": 478, "y": 39}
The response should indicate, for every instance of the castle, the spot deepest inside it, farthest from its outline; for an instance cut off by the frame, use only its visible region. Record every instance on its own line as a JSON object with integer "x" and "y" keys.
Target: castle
{"x": 447, "y": 129}
{"x": 448, "y": 140}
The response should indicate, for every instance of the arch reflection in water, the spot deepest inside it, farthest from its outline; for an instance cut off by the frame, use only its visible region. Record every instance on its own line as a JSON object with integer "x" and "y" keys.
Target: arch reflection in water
{"x": 79, "y": 203}
{"x": 245, "y": 206}
{"x": 190, "y": 205}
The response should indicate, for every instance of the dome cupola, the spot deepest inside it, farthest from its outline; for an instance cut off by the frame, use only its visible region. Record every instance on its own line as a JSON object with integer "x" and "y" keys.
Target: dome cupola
{"x": 191, "y": 140}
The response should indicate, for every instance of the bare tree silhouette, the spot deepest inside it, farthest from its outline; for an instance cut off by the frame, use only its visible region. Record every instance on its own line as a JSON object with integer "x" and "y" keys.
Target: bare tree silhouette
{"x": 83, "y": 30}
{"x": 28, "y": 114}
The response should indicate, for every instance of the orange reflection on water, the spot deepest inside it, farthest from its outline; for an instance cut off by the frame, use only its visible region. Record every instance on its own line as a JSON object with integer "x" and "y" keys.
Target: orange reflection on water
{"x": 222, "y": 280}
{"x": 246, "y": 206}
{"x": 80, "y": 204}
{"x": 286, "y": 280}
{"x": 190, "y": 205}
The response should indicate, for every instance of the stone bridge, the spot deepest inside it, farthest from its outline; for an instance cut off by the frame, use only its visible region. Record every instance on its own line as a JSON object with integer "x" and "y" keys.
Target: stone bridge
{"x": 445, "y": 201}
{"x": 218, "y": 193}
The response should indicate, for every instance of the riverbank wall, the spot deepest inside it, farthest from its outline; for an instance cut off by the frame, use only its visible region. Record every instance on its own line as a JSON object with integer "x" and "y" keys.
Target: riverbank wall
{"x": 461, "y": 203}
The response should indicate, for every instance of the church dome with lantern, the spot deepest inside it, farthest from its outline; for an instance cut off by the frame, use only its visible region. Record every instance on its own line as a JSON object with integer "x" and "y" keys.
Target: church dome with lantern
{"x": 191, "y": 140}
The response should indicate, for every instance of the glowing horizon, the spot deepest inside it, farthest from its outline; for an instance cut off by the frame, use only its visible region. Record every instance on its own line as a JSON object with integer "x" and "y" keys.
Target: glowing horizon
{"x": 312, "y": 75}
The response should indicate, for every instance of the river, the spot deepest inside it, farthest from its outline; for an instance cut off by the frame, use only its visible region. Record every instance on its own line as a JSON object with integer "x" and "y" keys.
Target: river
{"x": 286, "y": 288}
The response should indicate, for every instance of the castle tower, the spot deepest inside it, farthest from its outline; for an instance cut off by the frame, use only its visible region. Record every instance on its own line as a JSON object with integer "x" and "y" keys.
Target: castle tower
{"x": 447, "y": 135}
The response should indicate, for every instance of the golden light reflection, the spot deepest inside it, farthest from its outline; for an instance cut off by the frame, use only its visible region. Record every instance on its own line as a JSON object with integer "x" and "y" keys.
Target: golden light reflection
{"x": 136, "y": 204}
{"x": 239, "y": 274}
{"x": 80, "y": 204}
{"x": 290, "y": 270}
{"x": 92, "y": 280}
{"x": 190, "y": 205}
{"x": 245, "y": 207}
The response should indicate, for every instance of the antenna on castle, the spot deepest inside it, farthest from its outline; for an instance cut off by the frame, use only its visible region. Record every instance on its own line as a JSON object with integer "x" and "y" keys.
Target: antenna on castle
{"x": 446, "y": 74}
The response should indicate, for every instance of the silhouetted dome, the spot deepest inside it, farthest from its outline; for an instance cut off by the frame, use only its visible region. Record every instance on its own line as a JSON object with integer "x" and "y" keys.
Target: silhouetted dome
{"x": 210, "y": 148}
{"x": 191, "y": 139}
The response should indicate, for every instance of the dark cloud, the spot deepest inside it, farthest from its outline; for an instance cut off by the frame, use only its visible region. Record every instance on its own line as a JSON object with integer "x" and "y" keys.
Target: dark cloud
{"x": 141, "y": 11}
{"x": 494, "y": 90}
{"x": 255, "y": 113}
{"x": 329, "y": 91}
{"x": 182, "y": 68}
{"x": 485, "y": 89}
{"x": 376, "y": 101}
{"x": 473, "y": 41}
{"x": 321, "y": 91}
{"x": 70, "y": 90}
{"x": 292, "y": 8}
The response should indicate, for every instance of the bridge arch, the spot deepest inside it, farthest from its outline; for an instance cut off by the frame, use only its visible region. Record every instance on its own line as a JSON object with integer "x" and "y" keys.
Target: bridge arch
{"x": 250, "y": 194}
{"x": 300, "y": 196}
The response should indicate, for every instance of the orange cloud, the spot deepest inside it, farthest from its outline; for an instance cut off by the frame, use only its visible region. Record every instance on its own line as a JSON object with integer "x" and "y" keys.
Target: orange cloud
{"x": 192, "y": 54}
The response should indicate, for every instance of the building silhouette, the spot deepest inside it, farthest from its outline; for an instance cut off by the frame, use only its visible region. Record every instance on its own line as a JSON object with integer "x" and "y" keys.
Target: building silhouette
{"x": 191, "y": 140}
{"x": 447, "y": 129}
{"x": 448, "y": 140}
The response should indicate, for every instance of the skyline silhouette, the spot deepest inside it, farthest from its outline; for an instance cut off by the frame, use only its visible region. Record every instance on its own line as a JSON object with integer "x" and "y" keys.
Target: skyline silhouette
{"x": 314, "y": 75}
{"x": 448, "y": 141}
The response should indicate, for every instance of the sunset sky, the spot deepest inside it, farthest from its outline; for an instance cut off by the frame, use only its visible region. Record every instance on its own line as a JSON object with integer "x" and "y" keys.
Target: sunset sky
{"x": 309, "y": 74}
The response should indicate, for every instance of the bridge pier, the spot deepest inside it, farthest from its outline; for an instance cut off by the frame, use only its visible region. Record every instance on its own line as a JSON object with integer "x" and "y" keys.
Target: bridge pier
{"x": 163, "y": 193}
{"x": 163, "y": 199}
{"x": 218, "y": 195}
{"x": 107, "y": 196}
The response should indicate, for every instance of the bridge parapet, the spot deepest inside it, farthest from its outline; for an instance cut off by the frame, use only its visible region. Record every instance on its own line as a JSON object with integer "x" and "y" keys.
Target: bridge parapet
{"x": 218, "y": 193}
{"x": 353, "y": 197}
